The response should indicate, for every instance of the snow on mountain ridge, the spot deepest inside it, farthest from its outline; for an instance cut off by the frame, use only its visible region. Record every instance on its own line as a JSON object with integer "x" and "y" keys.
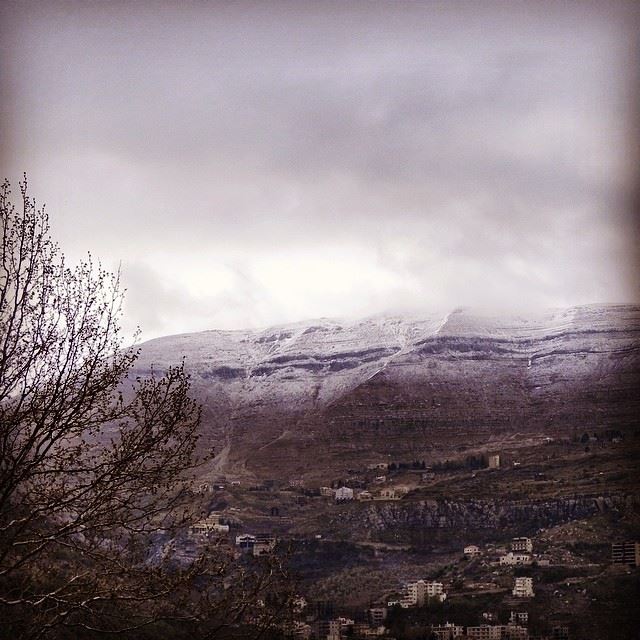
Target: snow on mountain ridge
{"x": 329, "y": 336}
{"x": 310, "y": 364}
{"x": 268, "y": 392}
{"x": 305, "y": 364}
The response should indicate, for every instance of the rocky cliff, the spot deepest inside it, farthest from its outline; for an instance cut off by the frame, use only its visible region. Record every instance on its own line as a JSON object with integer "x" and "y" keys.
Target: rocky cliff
{"x": 473, "y": 517}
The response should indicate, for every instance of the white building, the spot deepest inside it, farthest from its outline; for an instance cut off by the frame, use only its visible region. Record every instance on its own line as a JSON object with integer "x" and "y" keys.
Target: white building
{"x": 523, "y": 587}
{"x": 364, "y": 496}
{"x": 343, "y": 494}
{"x": 393, "y": 493}
{"x": 416, "y": 594}
{"x": 497, "y": 632}
{"x": 515, "y": 558}
{"x": 447, "y": 631}
{"x": 208, "y": 525}
{"x": 522, "y": 544}
{"x": 471, "y": 551}
{"x": 485, "y": 632}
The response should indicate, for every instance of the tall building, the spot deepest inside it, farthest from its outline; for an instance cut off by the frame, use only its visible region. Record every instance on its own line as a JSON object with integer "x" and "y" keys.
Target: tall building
{"x": 523, "y": 587}
{"x": 417, "y": 593}
{"x": 524, "y": 545}
{"x": 626, "y": 553}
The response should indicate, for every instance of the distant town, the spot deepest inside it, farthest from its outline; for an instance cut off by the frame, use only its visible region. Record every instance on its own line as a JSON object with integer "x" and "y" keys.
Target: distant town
{"x": 486, "y": 591}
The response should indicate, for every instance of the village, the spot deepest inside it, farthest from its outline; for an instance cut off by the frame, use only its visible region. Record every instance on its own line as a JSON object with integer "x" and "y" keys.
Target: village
{"x": 416, "y": 607}
{"x": 464, "y": 584}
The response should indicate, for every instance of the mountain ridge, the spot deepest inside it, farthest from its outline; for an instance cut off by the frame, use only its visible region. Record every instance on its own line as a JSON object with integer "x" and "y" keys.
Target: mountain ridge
{"x": 309, "y": 389}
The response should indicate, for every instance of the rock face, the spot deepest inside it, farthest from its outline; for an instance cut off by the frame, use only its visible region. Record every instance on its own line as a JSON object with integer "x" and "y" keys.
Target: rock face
{"x": 330, "y": 392}
{"x": 476, "y": 515}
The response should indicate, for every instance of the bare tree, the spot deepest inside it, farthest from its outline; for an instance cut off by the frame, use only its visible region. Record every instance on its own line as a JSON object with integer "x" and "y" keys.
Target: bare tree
{"x": 94, "y": 466}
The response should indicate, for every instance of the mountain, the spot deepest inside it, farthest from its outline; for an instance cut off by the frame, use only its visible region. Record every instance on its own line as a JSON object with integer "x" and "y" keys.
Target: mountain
{"x": 308, "y": 398}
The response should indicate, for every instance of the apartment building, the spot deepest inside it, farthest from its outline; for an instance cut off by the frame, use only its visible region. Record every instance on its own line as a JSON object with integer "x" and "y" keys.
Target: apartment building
{"x": 626, "y": 553}
{"x": 523, "y": 545}
{"x": 523, "y": 587}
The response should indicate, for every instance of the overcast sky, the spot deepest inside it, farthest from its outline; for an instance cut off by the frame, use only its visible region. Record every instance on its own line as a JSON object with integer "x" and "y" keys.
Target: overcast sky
{"x": 251, "y": 164}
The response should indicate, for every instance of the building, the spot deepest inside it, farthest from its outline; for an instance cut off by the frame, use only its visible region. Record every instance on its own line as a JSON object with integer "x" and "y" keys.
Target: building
{"x": 327, "y": 492}
{"x": 258, "y": 545}
{"x": 410, "y": 596}
{"x": 447, "y": 631}
{"x": 416, "y": 594}
{"x": 560, "y": 633}
{"x": 524, "y": 545}
{"x": 264, "y": 544}
{"x": 523, "y": 587}
{"x": 494, "y": 461}
{"x": 335, "y": 630}
{"x": 210, "y": 524}
{"x": 392, "y": 493}
{"x": 519, "y": 617}
{"x": 516, "y": 632}
{"x": 471, "y": 551}
{"x": 364, "y": 496}
{"x": 344, "y": 494}
{"x": 329, "y": 629}
{"x": 377, "y": 615}
{"x": 626, "y": 553}
{"x": 246, "y": 542}
{"x": 497, "y": 632}
{"x": 515, "y": 558}
{"x": 485, "y": 632}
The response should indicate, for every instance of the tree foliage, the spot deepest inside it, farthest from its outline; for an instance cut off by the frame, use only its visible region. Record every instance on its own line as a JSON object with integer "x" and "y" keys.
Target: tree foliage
{"x": 94, "y": 466}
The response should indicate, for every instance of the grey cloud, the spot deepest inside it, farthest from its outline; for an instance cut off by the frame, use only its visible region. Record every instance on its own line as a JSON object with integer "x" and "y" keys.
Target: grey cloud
{"x": 473, "y": 133}
{"x": 160, "y": 307}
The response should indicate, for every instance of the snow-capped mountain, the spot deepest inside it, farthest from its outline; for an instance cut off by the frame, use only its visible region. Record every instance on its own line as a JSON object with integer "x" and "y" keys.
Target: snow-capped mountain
{"x": 388, "y": 384}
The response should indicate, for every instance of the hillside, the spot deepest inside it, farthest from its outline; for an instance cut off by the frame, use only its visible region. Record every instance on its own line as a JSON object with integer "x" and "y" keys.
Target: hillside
{"x": 288, "y": 401}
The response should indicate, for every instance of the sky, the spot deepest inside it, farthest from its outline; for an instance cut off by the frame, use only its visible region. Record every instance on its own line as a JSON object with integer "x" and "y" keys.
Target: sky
{"x": 249, "y": 164}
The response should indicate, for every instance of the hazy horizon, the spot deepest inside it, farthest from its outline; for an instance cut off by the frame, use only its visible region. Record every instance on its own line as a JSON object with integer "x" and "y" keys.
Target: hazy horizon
{"x": 252, "y": 164}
